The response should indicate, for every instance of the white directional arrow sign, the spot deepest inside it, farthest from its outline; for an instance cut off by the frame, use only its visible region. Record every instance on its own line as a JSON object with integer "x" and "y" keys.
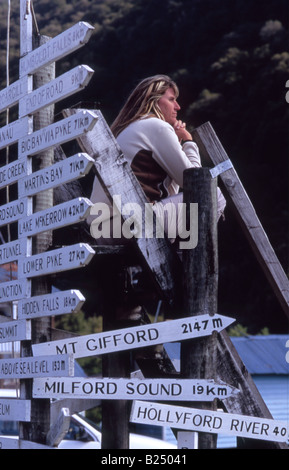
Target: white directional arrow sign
{"x": 58, "y": 47}
{"x": 12, "y": 211}
{"x": 30, "y": 367}
{"x": 62, "y": 259}
{"x": 58, "y": 303}
{"x": 16, "y": 330}
{"x": 131, "y": 389}
{"x": 57, "y": 133}
{"x": 11, "y": 133}
{"x": 14, "y": 290}
{"x": 12, "y": 172}
{"x": 61, "y": 215}
{"x": 209, "y": 421}
{"x": 61, "y": 172}
{"x": 12, "y": 251}
{"x": 60, "y": 88}
{"x": 12, "y": 409}
{"x": 12, "y": 94}
{"x": 135, "y": 337}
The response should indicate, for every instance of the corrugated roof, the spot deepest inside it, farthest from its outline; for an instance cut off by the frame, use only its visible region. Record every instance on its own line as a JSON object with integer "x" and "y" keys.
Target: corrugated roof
{"x": 264, "y": 354}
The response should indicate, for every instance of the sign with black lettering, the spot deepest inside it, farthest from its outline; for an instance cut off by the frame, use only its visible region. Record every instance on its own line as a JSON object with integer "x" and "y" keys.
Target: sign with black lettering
{"x": 13, "y": 93}
{"x": 30, "y": 367}
{"x": 58, "y": 47}
{"x": 16, "y": 330}
{"x": 12, "y": 132}
{"x": 72, "y": 81}
{"x": 61, "y": 215}
{"x": 12, "y": 172}
{"x": 62, "y": 259}
{"x": 136, "y": 337}
{"x": 14, "y": 290}
{"x": 13, "y": 211}
{"x": 58, "y": 303}
{"x": 12, "y": 409}
{"x": 57, "y": 133}
{"x": 131, "y": 389}
{"x": 209, "y": 421}
{"x": 61, "y": 172}
{"x": 11, "y": 251}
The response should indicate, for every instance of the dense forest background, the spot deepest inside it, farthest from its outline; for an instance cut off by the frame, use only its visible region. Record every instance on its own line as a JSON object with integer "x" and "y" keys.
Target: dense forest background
{"x": 230, "y": 59}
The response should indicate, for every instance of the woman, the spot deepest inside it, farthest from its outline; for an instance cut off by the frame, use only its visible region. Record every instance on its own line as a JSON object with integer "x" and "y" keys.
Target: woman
{"x": 158, "y": 146}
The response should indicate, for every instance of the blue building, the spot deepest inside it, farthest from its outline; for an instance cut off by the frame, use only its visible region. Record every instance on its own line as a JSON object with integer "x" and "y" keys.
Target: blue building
{"x": 264, "y": 358}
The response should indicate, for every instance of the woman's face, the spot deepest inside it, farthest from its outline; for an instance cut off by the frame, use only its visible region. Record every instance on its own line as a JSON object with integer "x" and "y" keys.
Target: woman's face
{"x": 169, "y": 106}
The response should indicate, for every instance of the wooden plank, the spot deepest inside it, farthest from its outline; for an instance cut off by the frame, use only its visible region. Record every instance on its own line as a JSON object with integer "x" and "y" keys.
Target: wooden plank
{"x": 61, "y": 172}
{"x": 59, "y": 428}
{"x": 209, "y": 421}
{"x": 62, "y": 259}
{"x": 58, "y": 303}
{"x": 30, "y": 367}
{"x": 211, "y": 148}
{"x": 56, "y": 133}
{"x": 135, "y": 337}
{"x": 117, "y": 178}
{"x": 57, "y": 48}
{"x": 16, "y": 330}
{"x": 55, "y": 217}
{"x": 10, "y": 95}
{"x": 10, "y": 443}
{"x": 131, "y": 389}
{"x": 12, "y": 409}
{"x": 62, "y": 87}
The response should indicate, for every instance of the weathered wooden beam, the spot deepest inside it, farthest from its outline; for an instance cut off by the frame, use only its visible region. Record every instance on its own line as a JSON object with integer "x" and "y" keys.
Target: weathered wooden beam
{"x": 212, "y": 149}
{"x": 201, "y": 284}
{"x": 117, "y": 178}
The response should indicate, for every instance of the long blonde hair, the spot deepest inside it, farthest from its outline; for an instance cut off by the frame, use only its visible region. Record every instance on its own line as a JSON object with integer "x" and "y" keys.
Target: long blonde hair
{"x": 143, "y": 101}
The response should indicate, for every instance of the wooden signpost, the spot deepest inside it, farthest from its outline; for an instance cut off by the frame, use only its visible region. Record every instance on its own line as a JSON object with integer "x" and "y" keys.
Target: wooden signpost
{"x": 11, "y": 133}
{"x": 56, "y": 133}
{"x": 135, "y": 337}
{"x": 59, "y": 173}
{"x": 57, "y": 48}
{"x": 56, "y": 90}
{"x": 58, "y": 303}
{"x": 58, "y": 216}
{"x": 209, "y": 421}
{"x": 51, "y": 369}
{"x": 12, "y": 409}
{"x": 15, "y": 331}
{"x": 41, "y": 366}
{"x": 131, "y": 389}
{"x": 14, "y": 290}
{"x": 12, "y": 250}
{"x": 62, "y": 259}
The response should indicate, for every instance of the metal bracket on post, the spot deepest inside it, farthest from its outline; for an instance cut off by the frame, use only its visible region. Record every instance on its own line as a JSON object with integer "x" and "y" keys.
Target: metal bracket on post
{"x": 221, "y": 168}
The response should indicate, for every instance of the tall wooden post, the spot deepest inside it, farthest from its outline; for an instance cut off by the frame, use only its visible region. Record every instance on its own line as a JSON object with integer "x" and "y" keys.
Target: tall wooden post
{"x": 37, "y": 429}
{"x": 201, "y": 283}
{"x": 115, "y": 413}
